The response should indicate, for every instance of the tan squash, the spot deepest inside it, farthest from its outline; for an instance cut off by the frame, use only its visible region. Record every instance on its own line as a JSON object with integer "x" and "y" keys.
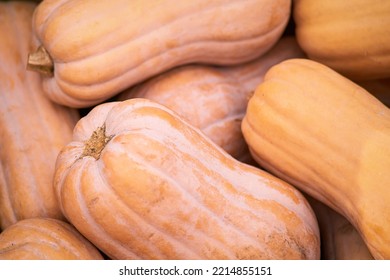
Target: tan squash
{"x": 214, "y": 99}
{"x": 352, "y": 37}
{"x": 339, "y": 238}
{"x": 141, "y": 183}
{"x": 329, "y": 137}
{"x": 33, "y": 129}
{"x": 45, "y": 239}
{"x": 91, "y": 50}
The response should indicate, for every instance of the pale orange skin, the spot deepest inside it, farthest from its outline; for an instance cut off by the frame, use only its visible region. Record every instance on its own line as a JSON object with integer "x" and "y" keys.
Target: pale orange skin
{"x": 329, "y": 137}
{"x": 33, "y": 129}
{"x": 100, "y": 48}
{"x": 212, "y": 98}
{"x": 45, "y": 239}
{"x": 352, "y": 37}
{"x": 161, "y": 189}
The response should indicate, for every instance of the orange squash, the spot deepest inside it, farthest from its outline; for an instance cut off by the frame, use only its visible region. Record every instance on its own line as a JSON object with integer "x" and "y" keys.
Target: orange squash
{"x": 329, "y": 137}
{"x": 92, "y": 50}
{"x": 141, "y": 183}
{"x": 214, "y": 99}
{"x": 45, "y": 239}
{"x": 33, "y": 129}
{"x": 352, "y": 37}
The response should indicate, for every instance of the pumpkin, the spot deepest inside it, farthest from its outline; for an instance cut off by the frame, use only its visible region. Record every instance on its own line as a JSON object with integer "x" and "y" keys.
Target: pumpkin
{"x": 33, "y": 129}
{"x": 142, "y": 183}
{"x": 328, "y": 137}
{"x": 90, "y": 51}
{"x": 45, "y": 239}
{"x": 339, "y": 238}
{"x": 213, "y": 98}
{"x": 352, "y": 37}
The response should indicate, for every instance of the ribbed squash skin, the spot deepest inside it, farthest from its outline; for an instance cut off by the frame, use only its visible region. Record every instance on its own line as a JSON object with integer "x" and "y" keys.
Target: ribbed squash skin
{"x": 45, "y": 239}
{"x": 329, "y": 137}
{"x": 339, "y": 238}
{"x": 100, "y": 48}
{"x": 352, "y": 37}
{"x": 214, "y": 99}
{"x": 141, "y": 183}
{"x": 33, "y": 129}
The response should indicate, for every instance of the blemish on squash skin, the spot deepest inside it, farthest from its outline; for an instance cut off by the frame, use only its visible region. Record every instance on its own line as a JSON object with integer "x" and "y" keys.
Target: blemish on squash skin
{"x": 249, "y": 253}
{"x": 14, "y": 247}
{"x": 287, "y": 246}
{"x": 93, "y": 201}
{"x": 249, "y": 95}
{"x": 171, "y": 44}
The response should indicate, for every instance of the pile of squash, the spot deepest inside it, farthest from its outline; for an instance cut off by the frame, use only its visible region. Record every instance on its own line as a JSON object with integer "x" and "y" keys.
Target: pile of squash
{"x": 221, "y": 129}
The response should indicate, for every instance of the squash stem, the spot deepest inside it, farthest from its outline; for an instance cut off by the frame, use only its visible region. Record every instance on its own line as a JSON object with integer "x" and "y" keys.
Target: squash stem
{"x": 41, "y": 62}
{"x": 96, "y": 143}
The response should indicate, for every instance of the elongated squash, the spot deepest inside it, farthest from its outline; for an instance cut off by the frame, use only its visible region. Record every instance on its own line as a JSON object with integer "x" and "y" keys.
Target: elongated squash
{"x": 92, "y": 50}
{"x": 329, "y": 137}
{"x": 141, "y": 183}
{"x": 45, "y": 239}
{"x": 352, "y": 37}
{"x": 214, "y": 99}
{"x": 33, "y": 129}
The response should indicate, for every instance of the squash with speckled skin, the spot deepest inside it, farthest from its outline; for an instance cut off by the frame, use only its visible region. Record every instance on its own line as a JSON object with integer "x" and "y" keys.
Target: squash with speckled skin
{"x": 141, "y": 183}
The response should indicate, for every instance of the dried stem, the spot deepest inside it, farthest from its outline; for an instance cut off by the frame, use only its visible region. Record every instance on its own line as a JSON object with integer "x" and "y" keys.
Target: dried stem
{"x": 96, "y": 143}
{"x": 41, "y": 62}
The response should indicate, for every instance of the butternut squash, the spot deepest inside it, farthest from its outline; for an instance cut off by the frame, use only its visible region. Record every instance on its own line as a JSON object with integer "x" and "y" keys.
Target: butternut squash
{"x": 141, "y": 183}
{"x": 92, "y": 50}
{"x": 45, "y": 239}
{"x": 214, "y": 99}
{"x": 330, "y": 138}
{"x": 352, "y": 37}
{"x": 33, "y": 129}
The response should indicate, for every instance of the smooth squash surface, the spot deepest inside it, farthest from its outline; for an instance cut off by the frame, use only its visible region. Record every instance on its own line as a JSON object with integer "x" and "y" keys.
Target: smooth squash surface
{"x": 352, "y": 37}
{"x": 329, "y": 137}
